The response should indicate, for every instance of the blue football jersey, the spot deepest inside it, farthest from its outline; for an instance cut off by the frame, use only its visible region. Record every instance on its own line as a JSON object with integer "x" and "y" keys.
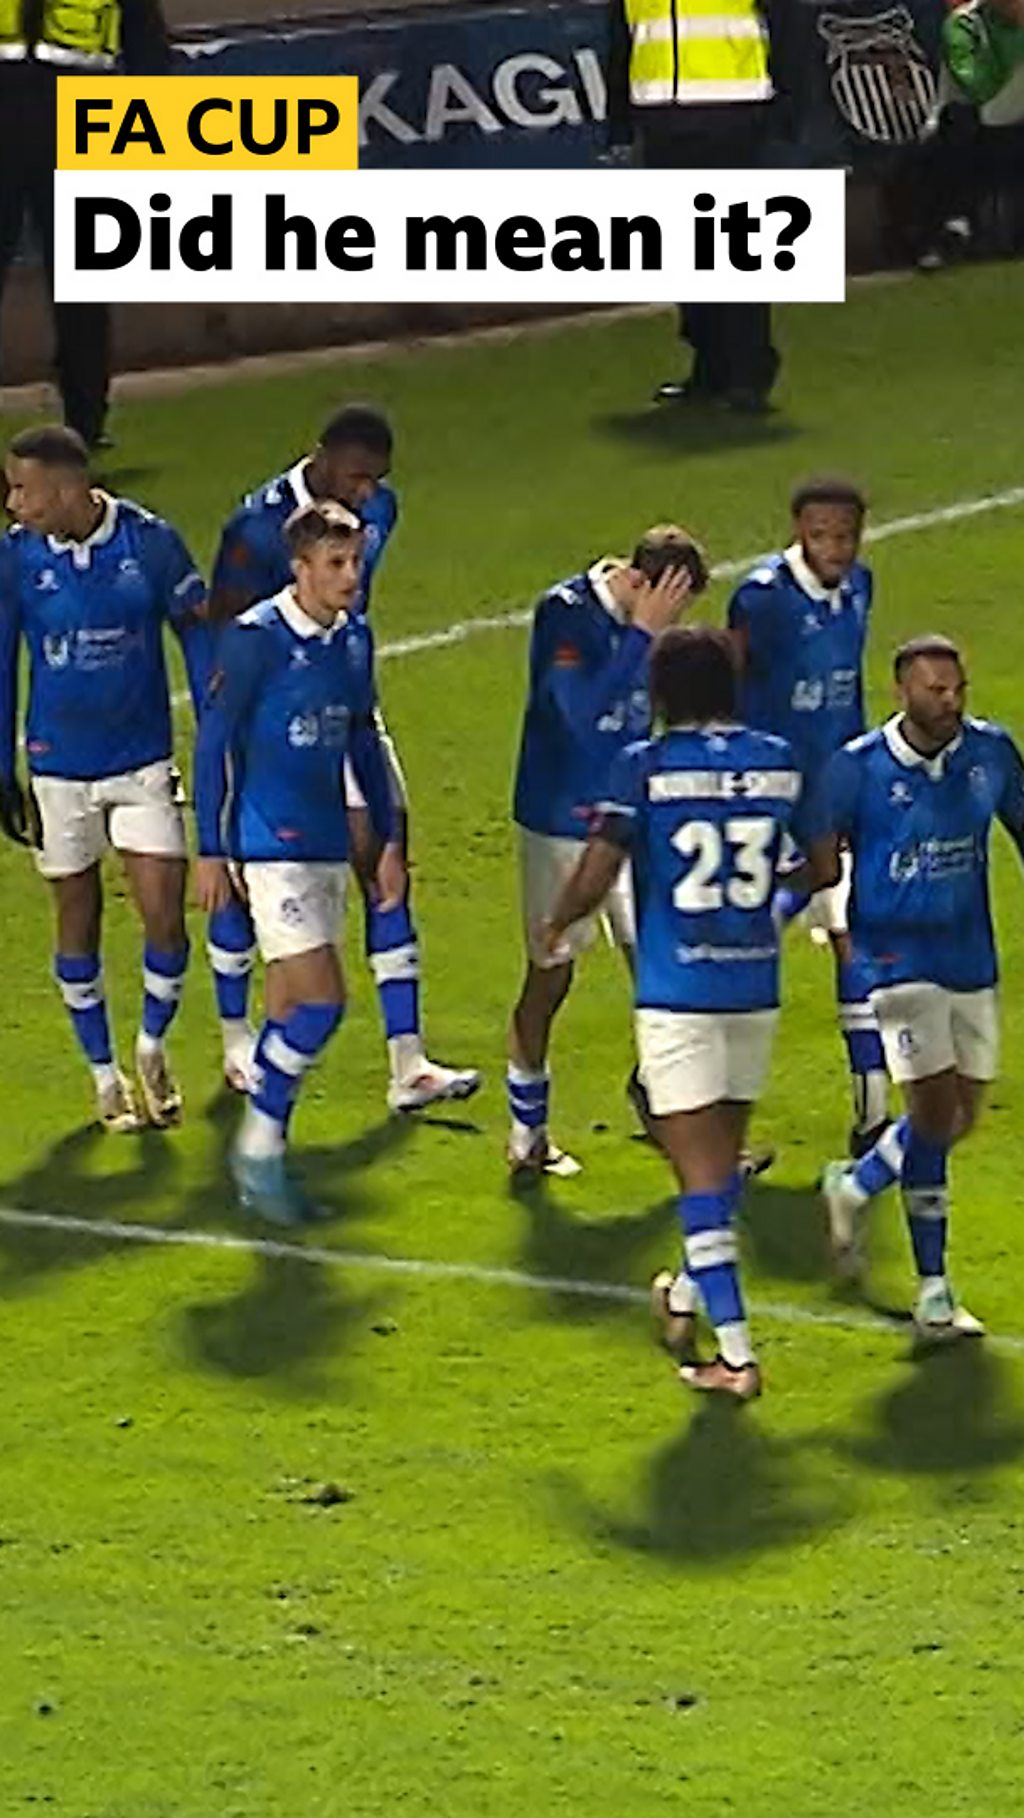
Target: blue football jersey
{"x": 92, "y": 616}
{"x": 805, "y": 654}
{"x": 587, "y": 700}
{"x": 289, "y": 702}
{"x": 918, "y": 829}
{"x": 252, "y": 558}
{"x": 702, "y": 813}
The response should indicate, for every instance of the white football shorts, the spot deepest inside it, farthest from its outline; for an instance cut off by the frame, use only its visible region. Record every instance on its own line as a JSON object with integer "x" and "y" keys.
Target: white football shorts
{"x": 295, "y": 906}
{"x": 354, "y": 797}
{"x": 545, "y": 862}
{"x": 926, "y": 1029}
{"x": 139, "y": 811}
{"x": 693, "y": 1058}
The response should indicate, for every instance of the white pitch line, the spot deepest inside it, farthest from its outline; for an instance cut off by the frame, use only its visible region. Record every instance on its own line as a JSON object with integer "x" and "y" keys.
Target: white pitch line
{"x": 955, "y": 513}
{"x": 428, "y": 1269}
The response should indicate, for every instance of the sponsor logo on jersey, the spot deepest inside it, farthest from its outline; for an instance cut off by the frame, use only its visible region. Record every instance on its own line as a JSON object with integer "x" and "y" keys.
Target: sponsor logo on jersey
{"x": 303, "y": 731}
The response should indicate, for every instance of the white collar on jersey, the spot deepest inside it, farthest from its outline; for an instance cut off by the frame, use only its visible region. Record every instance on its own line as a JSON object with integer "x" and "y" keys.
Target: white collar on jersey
{"x": 103, "y": 532}
{"x": 296, "y": 477}
{"x": 300, "y": 622}
{"x": 904, "y": 752}
{"x": 598, "y": 578}
{"x": 807, "y": 580}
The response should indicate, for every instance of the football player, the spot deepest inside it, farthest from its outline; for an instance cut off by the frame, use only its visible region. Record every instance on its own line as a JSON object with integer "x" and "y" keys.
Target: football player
{"x": 88, "y": 582}
{"x": 916, "y": 800}
{"x": 292, "y": 700}
{"x": 587, "y": 699}
{"x": 349, "y": 464}
{"x": 800, "y": 620}
{"x": 701, "y": 811}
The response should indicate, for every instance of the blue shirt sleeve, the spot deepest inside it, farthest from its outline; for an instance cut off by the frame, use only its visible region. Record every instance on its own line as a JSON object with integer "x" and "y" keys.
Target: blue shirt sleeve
{"x": 10, "y": 637}
{"x": 618, "y": 816}
{"x": 840, "y": 789}
{"x": 248, "y": 562}
{"x": 218, "y": 760}
{"x": 753, "y": 612}
{"x": 585, "y": 692}
{"x": 365, "y": 749}
{"x": 181, "y": 591}
{"x": 1010, "y": 805}
{"x": 810, "y": 819}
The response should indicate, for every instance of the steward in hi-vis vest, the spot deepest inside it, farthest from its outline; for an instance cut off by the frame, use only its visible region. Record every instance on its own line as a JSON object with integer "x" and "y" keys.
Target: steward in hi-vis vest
{"x": 689, "y": 52}
{"x": 41, "y": 40}
{"x": 690, "y": 84}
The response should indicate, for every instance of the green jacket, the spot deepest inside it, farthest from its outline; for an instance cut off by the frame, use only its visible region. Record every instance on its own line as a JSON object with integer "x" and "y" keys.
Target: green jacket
{"x": 982, "y": 50}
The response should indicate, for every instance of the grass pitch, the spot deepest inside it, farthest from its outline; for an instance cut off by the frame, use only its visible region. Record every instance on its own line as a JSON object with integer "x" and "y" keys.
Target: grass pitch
{"x": 280, "y": 1535}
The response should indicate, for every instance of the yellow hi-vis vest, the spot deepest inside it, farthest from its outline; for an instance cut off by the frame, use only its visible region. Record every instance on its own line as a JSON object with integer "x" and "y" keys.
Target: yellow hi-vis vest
{"x": 694, "y": 51}
{"x": 73, "y": 34}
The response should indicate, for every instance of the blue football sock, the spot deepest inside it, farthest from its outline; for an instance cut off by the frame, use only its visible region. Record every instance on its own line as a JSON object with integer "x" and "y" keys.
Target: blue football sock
{"x": 163, "y": 976}
{"x": 864, "y": 1052}
{"x": 80, "y": 981}
{"x": 711, "y": 1263}
{"x": 394, "y": 956}
{"x": 926, "y": 1202}
{"x": 285, "y": 1052}
{"x": 395, "y": 963}
{"x": 231, "y": 948}
{"x": 528, "y": 1098}
{"x": 882, "y": 1166}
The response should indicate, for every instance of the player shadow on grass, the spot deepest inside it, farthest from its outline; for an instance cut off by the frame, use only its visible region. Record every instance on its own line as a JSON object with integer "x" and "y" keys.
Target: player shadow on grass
{"x": 288, "y": 1316}
{"x": 953, "y": 1413}
{"x": 289, "y": 1312}
{"x": 694, "y": 429}
{"x": 62, "y": 1185}
{"x": 561, "y": 1243}
{"x": 725, "y": 1489}
{"x": 783, "y": 1233}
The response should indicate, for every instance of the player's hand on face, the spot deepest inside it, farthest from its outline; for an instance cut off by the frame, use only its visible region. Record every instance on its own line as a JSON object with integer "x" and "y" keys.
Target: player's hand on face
{"x": 392, "y": 878}
{"x": 213, "y": 884}
{"x": 14, "y": 812}
{"x": 659, "y": 603}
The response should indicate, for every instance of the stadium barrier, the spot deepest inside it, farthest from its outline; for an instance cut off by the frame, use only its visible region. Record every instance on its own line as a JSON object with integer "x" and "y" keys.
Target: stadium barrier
{"x": 476, "y": 85}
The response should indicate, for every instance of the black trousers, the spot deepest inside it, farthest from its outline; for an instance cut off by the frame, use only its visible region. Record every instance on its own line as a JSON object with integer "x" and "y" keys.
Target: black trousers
{"x": 732, "y": 342}
{"x": 27, "y": 155}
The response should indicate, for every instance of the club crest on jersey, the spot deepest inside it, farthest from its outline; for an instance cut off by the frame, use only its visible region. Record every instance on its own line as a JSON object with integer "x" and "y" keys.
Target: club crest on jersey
{"x": 56, "y": 650}
{"x": 129, "y": 568}
{"x": 977, "y": 776}
{"x": 881, "y": 80}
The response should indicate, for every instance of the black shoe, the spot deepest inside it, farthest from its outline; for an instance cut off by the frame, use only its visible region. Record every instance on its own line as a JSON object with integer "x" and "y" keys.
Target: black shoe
{"x": 684, "y": 391}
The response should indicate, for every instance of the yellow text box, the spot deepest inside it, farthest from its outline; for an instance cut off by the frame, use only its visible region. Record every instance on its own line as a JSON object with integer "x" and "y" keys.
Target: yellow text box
{"x": 167, "y": 123}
